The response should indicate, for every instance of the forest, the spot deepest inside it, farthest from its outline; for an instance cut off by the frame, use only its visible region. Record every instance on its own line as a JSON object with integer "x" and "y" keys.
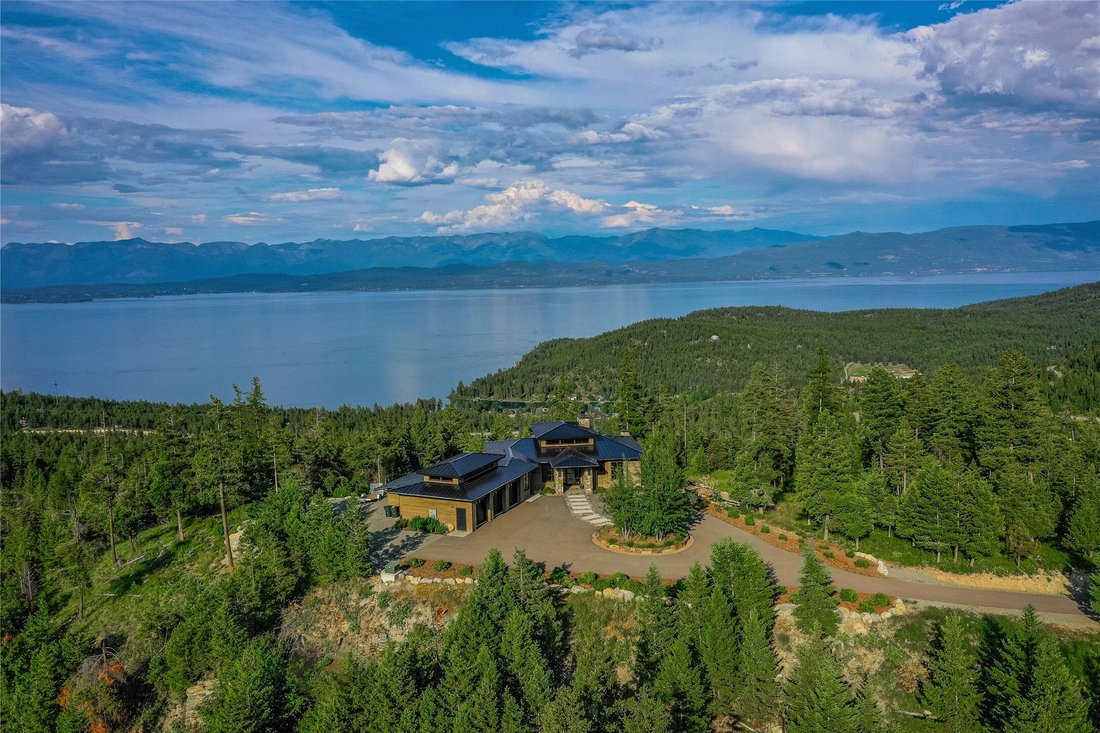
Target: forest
{"x": 149, "y": 547}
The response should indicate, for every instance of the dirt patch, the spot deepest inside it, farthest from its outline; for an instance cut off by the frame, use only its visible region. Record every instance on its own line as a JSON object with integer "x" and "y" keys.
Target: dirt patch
{"x": 1045, "y": 583}
{"x": 791, "y": 542}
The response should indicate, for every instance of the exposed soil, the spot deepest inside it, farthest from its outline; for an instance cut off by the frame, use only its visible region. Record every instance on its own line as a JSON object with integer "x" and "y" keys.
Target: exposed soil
{"x": 791, "y": 544}
{"x": 1047, "y": 583}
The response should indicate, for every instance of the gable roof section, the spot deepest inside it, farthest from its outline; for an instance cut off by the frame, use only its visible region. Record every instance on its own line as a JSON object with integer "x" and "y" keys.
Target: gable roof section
{"x": 460, "y": 466}
{"x": 560, "y": 430}
{"x": 570, "y": 458}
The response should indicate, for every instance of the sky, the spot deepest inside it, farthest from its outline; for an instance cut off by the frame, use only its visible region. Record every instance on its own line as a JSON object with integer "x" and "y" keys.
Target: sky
{"x": 279, "y": 122}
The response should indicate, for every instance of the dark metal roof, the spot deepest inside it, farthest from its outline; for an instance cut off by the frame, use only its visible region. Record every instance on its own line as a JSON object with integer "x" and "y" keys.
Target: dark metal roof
{"x": 413, "y": 484}
{"x": 572, "y": 459}
{"x": 560, "y": 430}
{"x": 461, "y": 465}
{"x": 608, "y": 448}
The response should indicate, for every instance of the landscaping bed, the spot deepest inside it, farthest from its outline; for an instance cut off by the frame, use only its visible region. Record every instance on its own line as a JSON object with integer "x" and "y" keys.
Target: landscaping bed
{"x": 609, "y": 539}
{"x": 785, "y": 539}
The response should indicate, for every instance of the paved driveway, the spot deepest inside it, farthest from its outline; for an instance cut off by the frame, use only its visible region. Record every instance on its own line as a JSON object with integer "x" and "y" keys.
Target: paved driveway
{"x": 549, "y": 534}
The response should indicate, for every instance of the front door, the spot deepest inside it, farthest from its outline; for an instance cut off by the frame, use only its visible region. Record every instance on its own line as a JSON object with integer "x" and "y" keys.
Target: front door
{"x": 460, "y": 520}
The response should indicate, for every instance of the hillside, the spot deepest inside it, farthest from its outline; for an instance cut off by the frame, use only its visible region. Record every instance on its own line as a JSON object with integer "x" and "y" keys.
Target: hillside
{"x": 137, "y": 261}
{"x": 680, "y": 356}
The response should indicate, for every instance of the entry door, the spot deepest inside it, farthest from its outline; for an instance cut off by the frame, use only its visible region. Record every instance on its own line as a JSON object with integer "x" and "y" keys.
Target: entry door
{"x": 460, "y": 520}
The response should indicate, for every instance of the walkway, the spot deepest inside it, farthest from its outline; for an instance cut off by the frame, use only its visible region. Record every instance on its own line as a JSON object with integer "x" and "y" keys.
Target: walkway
{"x": 547, "y": 532}
{"x": 580, "y": 505}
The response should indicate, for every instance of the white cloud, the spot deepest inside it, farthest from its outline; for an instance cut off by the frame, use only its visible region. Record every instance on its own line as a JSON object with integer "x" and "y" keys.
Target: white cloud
{"x": 579, "y": 204}
{"x": 199, "y": 218}
{"x": 252, "y": 218}
{"x": 516, "y": 203}
{"x": 639, "y": 213}
{"x": 122, "y": 229}
{"x": 311, "y": 194}
{"x": 412, "y": 162}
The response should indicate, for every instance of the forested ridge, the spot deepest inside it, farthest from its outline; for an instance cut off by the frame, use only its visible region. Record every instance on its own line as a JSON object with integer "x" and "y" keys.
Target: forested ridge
{"x": 679, "y": 355}
{"x": 150, "y": 547}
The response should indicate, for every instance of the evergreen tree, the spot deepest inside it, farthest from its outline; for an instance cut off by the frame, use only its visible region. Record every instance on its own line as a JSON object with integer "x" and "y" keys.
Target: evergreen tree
{"x": 819, "y": 395}
{"x": 644, "y": 713}
{"x": 868, "y": 718}
{"x": 1094, "y": 594}
{"x": 565, "y": 714}
{"x": 881, "y": 407}
{"x": 1030, "y": 687}
{"x": 481, "y": 712}
{"x": 929, "y": 510}
{"x": 951, "y": 690}
{"x": 818, "y": 699}
{"x": 691, "y": 604}
{"x": 630, "y": 402}
{"x": 1083, "y": 527}
{"x": 826, "y": 468}
{"x": 680, "y": 687}
{"x": 768, "y": 433}
{"x": 718, "y": 649}
{"x": 904, "y": 455}
{"x": 746, "y": 579}
{"x": 756, "y": 689}
{"x": 656, "y": 627}
{"x": 873, "y": 488}
{"x": 854, "y": 517}
{"x": 251, "y": 692}
{"x": 949, "y": 411}
{"x": 815, "y": 607}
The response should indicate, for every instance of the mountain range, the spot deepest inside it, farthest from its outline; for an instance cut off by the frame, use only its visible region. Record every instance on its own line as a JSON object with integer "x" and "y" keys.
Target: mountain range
{"x": 135, "y": 268}
{"x": 131, "y": 261}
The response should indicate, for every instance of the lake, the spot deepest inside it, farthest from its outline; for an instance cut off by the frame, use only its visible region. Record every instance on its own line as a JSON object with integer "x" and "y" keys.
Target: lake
{"x": 331, "y": 349}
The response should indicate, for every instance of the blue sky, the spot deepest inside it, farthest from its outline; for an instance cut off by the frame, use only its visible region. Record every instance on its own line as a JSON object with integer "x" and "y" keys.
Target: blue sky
{"x": 277, "y": 122}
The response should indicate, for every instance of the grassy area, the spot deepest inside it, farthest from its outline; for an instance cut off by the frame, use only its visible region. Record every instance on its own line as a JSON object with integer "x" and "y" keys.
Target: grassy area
{"x": 126, "y": 604}
{"x": 858, "y": 369}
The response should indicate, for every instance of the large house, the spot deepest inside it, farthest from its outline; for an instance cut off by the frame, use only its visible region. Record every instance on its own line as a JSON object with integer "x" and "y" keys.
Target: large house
{"x": 470, "y": 489}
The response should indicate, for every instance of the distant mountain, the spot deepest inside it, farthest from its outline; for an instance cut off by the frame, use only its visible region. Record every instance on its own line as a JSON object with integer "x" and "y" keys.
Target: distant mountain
{"x": 957, "y": 250}
{"x": 136, "y": 261}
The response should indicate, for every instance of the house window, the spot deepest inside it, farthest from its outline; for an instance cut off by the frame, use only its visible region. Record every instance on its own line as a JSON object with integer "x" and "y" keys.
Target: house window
{"x": 433, "y": 514}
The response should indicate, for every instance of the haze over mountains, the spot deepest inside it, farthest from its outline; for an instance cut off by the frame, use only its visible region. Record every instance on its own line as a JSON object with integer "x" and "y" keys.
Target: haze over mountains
{"x": 136, "y": 268}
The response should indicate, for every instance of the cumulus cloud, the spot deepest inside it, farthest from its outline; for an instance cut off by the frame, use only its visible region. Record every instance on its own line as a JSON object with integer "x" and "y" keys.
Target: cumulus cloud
{"x": 637, "y": 213}
{"x": 518, "y": 202}
{"x": 413, "y": 163}
{"x": 630, "y": 132}
{"x": 121, "y": 229}
{"x": 1028, "y": 55}
{"x": 311, "y": 194}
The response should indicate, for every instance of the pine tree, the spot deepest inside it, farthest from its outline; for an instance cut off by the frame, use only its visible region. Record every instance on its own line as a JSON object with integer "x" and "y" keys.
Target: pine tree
{"x": 815, "y": 607}
{"x": 881, "y": 406}
{"x": 949, "y": 412}
{"x": 630, "y": 402}
{"x": 756, "y": 689}
{"x": 768, "y": 432}
{"x": 1083, "y": 527}
{"x": 481, "y": 712}
{"x": 691, "y": 604}
{"x": 718, "y": 650}
{"x": 747, "y": 580}
{"x": 819, "y": 395}
{"x": 656, "y": 627}
{"x": 250, "y": 692}
{"x": 644, "y": 713}
{"x": 951, "y": 691}
{"x": 1030, "y": 687}
{"x": 818, "y": 699}
{"x": 826, "y": 468}
{"x": 565, "y": 714}
{"x": 930, "y": 510}
{"x": 904, "y": 454}
{"x": 1094, "y": 594}
{"x": 868, "y": 718}
{"x": 679, "y": 686}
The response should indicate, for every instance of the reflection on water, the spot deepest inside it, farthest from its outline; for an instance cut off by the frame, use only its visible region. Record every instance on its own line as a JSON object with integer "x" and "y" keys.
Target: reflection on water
{"x": 364, "y": 348}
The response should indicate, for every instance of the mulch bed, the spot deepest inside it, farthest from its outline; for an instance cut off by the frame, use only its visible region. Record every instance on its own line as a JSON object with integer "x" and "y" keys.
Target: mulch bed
{"x": 838, "y": 560}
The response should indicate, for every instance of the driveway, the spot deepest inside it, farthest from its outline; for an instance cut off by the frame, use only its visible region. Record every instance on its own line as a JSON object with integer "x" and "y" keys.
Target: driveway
{"x": 546, "y": 530}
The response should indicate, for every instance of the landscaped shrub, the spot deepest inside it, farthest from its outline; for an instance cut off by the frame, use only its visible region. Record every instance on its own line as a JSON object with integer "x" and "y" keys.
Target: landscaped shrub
{"x": 559, "y": 575}
{"x": 587, "y": 578}
{"x": 866, "y": 607}
{"x": 427, "y": 525}
{"x": 879, "y": 599}
{"x": 466, "y": 571}
{"x": 782, "y": 537}
{"x": 765, "y": 529}
{"x": 619, "y": 580}
{"x": 601, "y": 584}
{"x": 862, "y": 562}
{"x": 401, "y": 523}
{"x": 848, "y": 595}
{"x": 635, "y": 587}
{"x": 828, "y": 554}
{"x": 415, "y": 562}
{"x": 440, "y": 565}
{"x": 850, "y": 553}
{"x": 749, "y": 520}
{"x": 732, "y": 512}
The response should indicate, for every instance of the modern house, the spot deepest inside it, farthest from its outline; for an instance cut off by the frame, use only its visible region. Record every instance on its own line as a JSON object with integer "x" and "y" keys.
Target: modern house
{"x": 470, "y": 489}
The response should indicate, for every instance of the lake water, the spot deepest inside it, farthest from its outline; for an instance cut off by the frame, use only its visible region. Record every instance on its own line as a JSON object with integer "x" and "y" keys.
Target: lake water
{"x": 331, "y": 349}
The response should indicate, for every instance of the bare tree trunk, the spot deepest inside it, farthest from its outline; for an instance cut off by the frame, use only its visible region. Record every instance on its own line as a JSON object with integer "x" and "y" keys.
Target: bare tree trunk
{"x": 179, "y": 524}
{"x": 955, "y": 554}
{"x": 225, "y": 526}
{"x": 826, "y": 529}
{"x": 857, "y": 544}
{"x": 111, "y": 530}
